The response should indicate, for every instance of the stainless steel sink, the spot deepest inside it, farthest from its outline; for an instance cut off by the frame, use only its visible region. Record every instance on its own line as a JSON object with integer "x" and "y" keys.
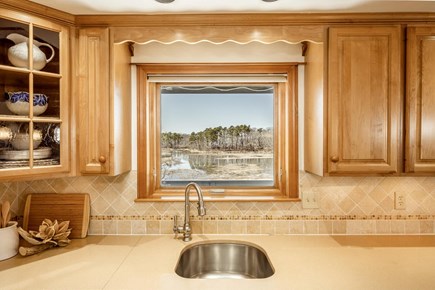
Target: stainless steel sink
{"x": 224, "y": 259}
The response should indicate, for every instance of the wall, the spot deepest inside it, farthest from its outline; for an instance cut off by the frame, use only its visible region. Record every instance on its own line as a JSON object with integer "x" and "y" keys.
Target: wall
{"x": 348, "y": 205}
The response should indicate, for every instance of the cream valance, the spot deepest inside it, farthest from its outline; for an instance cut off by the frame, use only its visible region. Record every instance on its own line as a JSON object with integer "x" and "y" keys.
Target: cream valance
{"x": 219, "y": 34}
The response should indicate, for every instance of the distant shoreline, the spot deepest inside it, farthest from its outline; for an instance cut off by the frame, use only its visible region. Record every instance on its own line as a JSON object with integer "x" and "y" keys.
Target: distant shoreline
{"x": 168, "y": 151}
{"x": 216, "y": 164}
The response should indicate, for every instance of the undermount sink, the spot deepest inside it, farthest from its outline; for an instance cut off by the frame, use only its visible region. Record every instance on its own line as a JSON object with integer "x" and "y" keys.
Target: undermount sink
{"x": 224, "y": 259}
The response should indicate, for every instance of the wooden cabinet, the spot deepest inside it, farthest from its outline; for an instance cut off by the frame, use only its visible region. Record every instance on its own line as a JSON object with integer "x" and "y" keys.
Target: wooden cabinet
{"x": 93, "y": 121}
{"x": 34, "y": 139}
{"x": 104, "y": 126}
{"x": 364, "y": 100}
{"x": 420, "y": 100}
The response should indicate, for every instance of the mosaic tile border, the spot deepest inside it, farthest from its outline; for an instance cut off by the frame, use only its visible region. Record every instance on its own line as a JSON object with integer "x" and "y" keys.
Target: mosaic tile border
{"x": 284, "y": 225}
{"x": 267, "y": 217}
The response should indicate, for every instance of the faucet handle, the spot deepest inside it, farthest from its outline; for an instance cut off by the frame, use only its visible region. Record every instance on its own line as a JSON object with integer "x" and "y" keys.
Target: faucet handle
{"x": 175, "y": 228}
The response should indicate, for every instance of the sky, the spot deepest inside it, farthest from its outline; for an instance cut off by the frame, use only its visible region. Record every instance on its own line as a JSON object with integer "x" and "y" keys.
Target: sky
{"x": 186, "y": 113}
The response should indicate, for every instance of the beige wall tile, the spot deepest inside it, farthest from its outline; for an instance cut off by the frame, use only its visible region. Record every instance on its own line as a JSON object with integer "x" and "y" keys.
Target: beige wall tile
{"x": 325, "y": 227}
{"x": 95, "y": 227}
{"x": 196, "y": 225}
{"x": 383, "y": 227}
{"x": 210, "y": 227}
{"x": 253, "y": 227}
{"x": 397, "y": 227}
{"x": 267, "y": 227}
{"x": 224, "y": 227}
{"x": 124, "y": 228}
{"x": 166, "y": 226}
{"x": 311, "y": 227}
{"x": 412, "y": 227}
{"x": 110, "y": 227}
{"x": 427, "y": 227}
{"x": 282, "y": 227}
{"x": 347, "y": 205}
{"x": 238, "y": 227}
{"x": 153, "y": 227}
{"x": 370, "y": 199}
{"x": 296, "y": 227}
{"x": 339, "y": 227}
{"x": 138, "y": 227}
{"x": 360, "y": 227}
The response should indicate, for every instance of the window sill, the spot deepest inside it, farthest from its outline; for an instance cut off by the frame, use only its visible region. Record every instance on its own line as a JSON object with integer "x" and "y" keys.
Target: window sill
{"x": 218, "y": 199}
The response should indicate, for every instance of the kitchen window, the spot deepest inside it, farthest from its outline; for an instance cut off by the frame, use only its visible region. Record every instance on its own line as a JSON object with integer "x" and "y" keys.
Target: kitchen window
{"x": 229, "y": 127}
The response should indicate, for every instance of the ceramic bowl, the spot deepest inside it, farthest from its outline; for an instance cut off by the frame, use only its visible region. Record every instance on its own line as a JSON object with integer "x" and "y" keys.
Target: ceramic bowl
{"x": 18, "y": 103}
{"x": 5, "y": 133}
{"x": 21, "y": 140}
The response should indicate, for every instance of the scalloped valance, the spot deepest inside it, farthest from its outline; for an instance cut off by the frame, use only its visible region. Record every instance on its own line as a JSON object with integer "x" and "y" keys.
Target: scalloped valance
{"x": 219, "y": 34}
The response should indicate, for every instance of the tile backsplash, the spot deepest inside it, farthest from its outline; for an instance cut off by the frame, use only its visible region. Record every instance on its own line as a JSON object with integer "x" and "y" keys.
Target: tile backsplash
{"x": 347, "y": 205}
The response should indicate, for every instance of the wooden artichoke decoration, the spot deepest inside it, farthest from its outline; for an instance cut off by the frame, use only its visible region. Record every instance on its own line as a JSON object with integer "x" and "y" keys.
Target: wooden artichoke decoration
{"x": 50, "y": 234}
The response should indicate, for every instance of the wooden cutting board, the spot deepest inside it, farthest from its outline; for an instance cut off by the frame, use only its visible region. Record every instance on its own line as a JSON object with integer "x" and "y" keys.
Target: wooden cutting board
{"x": 73, "y": 207}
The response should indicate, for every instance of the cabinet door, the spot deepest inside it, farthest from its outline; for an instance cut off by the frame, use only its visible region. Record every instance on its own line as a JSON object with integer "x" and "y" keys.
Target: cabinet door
{"x": 34, "y": 92}
{"x": 420, "y": 105}
{"x": 364, "y": 122}
{"x": 94, "y": 100}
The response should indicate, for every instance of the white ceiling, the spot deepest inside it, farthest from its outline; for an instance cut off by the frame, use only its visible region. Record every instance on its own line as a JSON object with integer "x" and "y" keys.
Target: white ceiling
{"x": 79, "y": 7}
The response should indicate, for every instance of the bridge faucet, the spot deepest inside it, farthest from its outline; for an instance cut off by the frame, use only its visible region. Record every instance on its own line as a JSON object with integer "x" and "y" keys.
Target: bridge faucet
{"x": 186, "y": 230}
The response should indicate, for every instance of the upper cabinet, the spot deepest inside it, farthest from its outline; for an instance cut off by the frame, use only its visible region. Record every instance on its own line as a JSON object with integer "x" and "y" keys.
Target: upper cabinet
{"x": 104, "y": 117}
{"x": 34, "y": 88}
{"x": 364, "y": 100}
{"x": 420, "y": 100}
{"x": 93, "y": 121}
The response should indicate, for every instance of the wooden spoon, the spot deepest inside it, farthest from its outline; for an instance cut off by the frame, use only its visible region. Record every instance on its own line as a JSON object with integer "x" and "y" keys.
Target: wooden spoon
{"x": 5, "y": 213}
{"x": 8, "y": 219}
{"x": 1, "y": 216}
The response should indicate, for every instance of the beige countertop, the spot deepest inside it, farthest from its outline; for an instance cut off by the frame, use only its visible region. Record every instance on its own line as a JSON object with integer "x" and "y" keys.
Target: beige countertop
{"x": 300, "y": 262}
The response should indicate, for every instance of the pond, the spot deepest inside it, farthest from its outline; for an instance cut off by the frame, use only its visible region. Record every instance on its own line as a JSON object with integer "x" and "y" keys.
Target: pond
{"x": 217, "y": 168}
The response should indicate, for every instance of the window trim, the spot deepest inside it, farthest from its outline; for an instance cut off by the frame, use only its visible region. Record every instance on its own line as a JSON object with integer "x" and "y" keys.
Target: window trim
{"x": 285, "y": 132}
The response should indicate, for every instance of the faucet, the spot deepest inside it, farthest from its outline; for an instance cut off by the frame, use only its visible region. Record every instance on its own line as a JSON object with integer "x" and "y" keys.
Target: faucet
{"x": 185, "y": 229}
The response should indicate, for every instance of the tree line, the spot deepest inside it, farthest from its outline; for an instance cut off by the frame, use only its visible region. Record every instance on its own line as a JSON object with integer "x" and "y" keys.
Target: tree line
{"x": 233, "y": 138}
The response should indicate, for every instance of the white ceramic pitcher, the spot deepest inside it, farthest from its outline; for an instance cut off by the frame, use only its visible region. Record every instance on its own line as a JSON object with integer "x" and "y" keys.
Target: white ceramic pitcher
{"x": 19, "y": 53}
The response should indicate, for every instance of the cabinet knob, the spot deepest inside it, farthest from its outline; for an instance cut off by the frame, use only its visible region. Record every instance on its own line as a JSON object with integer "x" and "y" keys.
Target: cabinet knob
{"x": 102, "y": 159}
{"x": 334, "y": 159}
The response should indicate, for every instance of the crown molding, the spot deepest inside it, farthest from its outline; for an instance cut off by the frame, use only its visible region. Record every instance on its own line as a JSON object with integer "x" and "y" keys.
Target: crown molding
{"x": 249, "y": 19}
{"x": 38, "y": 10}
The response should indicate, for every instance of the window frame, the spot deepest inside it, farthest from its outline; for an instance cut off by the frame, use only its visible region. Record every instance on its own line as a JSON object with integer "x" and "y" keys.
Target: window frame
{"x": 285, "y": 132}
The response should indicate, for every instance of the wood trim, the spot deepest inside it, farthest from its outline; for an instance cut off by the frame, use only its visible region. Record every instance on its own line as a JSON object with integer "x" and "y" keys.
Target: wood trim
{"x": 222, "y": 199}
{"x": 203, "y": 68}
{"x": 250, "y": 19}
{"x": 143, "y": 186}
{"x": 314, "y": 116}
{"x": 120, "y": 109}
{"x": 65, "y": 100}
{"x": 216, "y": 19}
{"x": 219, "y": 34}
{"x": 39, "y": 11}
{"x": 286, "y": 130}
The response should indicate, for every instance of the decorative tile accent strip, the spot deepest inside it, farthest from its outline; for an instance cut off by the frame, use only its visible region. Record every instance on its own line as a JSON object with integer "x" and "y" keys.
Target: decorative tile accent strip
{"x": 283, "y": 225}
{"x": 267, "y": 217}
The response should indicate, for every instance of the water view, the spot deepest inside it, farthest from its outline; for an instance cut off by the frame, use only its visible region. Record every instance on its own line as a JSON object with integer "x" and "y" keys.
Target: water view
{"x": 207, "y": 145}
{"x": 216, "y": 168}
